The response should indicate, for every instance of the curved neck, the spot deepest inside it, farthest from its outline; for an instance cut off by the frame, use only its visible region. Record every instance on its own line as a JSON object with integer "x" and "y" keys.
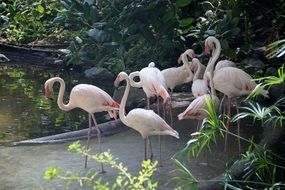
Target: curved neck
{"x": 61, "y": 105}
{"x": 186, "y": 63}
{"x": 213, "y": 90}
{"x": 132, "y": 82}
{"x": 197, "y": 74}
{"x": 124, "y": 99}
{"x": 215, "y": 55}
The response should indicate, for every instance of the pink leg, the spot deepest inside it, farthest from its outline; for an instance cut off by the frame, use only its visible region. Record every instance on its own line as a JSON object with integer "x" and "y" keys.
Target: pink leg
{"x": 89, "y": 136}
{"x": 228, "y": 121}
{"x": 99, "y": 140}
{"x": 238, "y": 127}
{"x": 148, "y": 103}
{"x": 145, "y": 149}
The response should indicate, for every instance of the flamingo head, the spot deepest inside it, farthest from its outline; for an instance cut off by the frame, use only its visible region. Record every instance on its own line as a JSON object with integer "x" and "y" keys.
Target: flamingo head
{"x": 121, "y": 76}
{"x": 207, "y": 49}
{"x": 48, "y": 89}
{"x": 179, "y": 61}
{"x": 190, "y": 53}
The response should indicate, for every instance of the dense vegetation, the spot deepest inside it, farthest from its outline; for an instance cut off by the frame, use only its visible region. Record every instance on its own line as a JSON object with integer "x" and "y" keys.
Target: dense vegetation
{"x": 128, "y": 34}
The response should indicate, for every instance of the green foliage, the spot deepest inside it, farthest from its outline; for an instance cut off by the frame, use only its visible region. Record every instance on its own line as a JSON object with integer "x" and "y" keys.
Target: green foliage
{"x": 262, "y": 167}
{"x": 217, "y": 21}
{"x": 24, "y": 21}
{"x": 124, "y": 180}
{"x": 112, "y": 29}
{"x": 276, "y": 49}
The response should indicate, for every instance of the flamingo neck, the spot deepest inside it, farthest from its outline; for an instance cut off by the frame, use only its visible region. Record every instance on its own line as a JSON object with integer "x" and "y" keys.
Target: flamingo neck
{"x": 186, "y": 63}
{"x": 124, "y": 99}
{"x": 61, "y": 105}
{"x": 132, "y": 82}
{"x": 197, "y": 74}
{"x": 213, "y": 90}
{"x": 215, "y": 55}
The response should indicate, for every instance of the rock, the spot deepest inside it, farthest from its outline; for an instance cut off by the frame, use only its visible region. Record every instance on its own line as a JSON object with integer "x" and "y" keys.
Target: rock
{"x": 136, "y": 98}
{"x": 100, "y": 74}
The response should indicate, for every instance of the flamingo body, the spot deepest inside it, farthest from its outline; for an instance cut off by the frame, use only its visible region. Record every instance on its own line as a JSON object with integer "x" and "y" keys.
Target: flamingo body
{"x": 196, "y": 109}
{"x": 87, "y": 97}
{"x": 224, "y": 63}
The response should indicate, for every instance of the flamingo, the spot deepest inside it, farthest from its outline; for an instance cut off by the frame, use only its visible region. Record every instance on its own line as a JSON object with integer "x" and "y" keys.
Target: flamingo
{"x": 152, "y": 81}
{"x": 196, "y": 109}
{"x": 87, "y": 97}
{"x": 175, "y": 76}
{"x": 231, "y": 81}
{"x": 224, "y": 63}
{"x": 199, "y": 86}
{"x": 146, "y": 122}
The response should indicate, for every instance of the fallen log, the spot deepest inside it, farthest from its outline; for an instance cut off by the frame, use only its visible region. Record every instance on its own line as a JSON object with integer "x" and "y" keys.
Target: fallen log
{"x": 107, "y": 129}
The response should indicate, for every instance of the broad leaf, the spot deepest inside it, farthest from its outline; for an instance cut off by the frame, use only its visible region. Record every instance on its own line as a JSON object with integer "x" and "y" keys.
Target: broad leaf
{"x": 183, "y": 3}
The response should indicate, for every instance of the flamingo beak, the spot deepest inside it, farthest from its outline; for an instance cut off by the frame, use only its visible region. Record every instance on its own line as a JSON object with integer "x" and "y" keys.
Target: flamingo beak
{"x": 117, "y": 82}
{"x": 47, "y": 93}
{"x": 207, "y": 49}
{"x": 179, "y": 59}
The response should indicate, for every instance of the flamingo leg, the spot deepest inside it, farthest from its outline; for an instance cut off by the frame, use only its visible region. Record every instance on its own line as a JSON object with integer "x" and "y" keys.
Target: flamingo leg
{"x": 238, "y": 127}
{"x": 145, "y": 149}
{"x": 150, "y": 150}
{"x": 89, "y": 136}
{"x": 147, "y": 103}
{"x": 228, "y": 121}
{"x": 99, "y": 140}
{"x": 158, "y": 105}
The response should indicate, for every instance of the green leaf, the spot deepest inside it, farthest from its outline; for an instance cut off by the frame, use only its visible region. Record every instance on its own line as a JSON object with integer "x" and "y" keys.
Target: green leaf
{"x": 40, "y": 9}
{"x": 183, "y": 3}
{"x": 59, "y": 19}
{"x": 186, "y": 22}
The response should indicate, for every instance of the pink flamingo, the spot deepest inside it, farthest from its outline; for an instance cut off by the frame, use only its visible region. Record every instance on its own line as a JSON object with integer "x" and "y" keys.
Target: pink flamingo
{"x": 231, "y": 81}
{"x": 87, "y": 97}
{"x": 152, "y": 81}
{"x": 196, "y": 109}
{"x": 146, "y": 122}
{"x": 175, "y": 76}
{"x": 199, "y": 86}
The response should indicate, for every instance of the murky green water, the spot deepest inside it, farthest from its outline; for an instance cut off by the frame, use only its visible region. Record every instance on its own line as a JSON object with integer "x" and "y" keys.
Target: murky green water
{"x": 25, "y": 113}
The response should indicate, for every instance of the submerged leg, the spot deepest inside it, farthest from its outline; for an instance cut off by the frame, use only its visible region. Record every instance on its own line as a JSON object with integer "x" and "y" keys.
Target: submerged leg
{"x": 89, "y": 136}
{"x": 99, "y": 140}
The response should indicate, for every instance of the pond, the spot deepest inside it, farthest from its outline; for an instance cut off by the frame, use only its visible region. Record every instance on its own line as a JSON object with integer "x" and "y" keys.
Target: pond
{"x": 24, "y": 111}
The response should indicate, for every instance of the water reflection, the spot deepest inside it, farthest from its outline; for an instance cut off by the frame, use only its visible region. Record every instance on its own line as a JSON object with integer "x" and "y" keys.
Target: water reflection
{"x": 24, "y": 111}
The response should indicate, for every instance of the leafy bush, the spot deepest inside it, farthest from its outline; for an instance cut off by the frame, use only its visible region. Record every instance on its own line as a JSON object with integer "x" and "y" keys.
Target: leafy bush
{"x": 25, "y": 21}
{"x": 124, "y": 180}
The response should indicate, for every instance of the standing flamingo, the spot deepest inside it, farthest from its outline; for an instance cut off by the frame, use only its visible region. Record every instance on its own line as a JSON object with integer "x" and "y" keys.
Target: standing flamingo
{"x": 87, "y": 97}
{"x": 199, "y": 86}
{"x": 231, "y": 81}
{"x": 146, "y": 122}
{"x": 196, "y": 109}
{"x": 152, "y": 81}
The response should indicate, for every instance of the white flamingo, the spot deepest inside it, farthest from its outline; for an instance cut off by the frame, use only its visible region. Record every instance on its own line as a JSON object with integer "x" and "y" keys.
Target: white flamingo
{"x": 87, "y": 97}
{"x": 146, "y": 122}
{"x": 231, "y": 81}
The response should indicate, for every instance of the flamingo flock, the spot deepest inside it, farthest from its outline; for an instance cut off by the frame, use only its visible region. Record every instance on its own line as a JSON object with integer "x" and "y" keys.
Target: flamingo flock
{"x": 223, "y": 76}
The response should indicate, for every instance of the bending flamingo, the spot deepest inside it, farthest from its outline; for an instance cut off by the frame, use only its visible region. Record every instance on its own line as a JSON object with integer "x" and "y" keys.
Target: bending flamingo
{"x": 87, "y": 97}
{"x": 146, "y": 122}
{"x": 175, "y": 76}
{"x": 196, "y": 109}
{"x": 231, "y": 81}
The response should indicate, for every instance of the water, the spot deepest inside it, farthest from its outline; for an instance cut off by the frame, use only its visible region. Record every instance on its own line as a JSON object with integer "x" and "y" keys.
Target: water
{"x": 24, "y": 111}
